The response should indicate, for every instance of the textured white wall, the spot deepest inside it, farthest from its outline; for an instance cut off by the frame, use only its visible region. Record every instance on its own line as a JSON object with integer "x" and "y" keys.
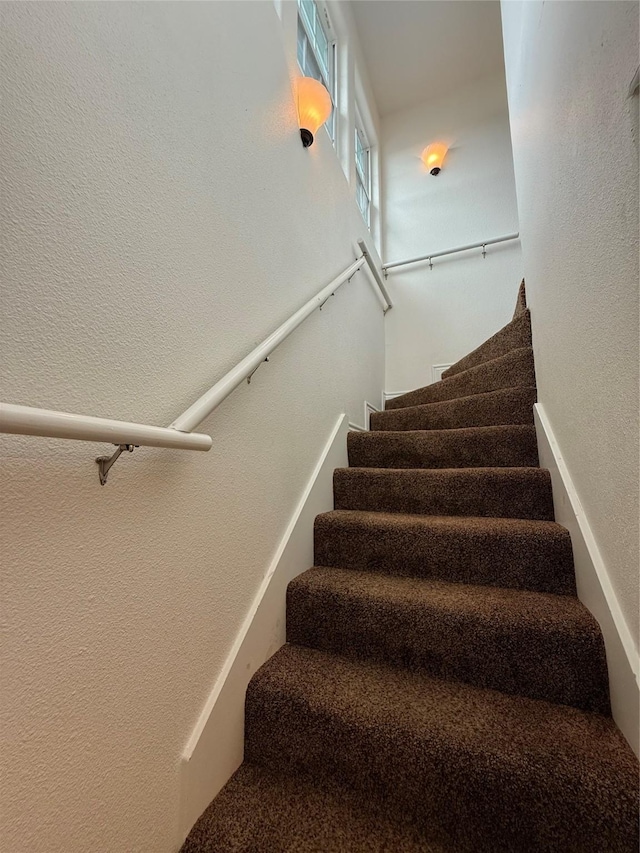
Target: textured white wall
{"x": 575, "y": 138}
{"x": 159, "y": 218}
{"x": 444, "y": 313}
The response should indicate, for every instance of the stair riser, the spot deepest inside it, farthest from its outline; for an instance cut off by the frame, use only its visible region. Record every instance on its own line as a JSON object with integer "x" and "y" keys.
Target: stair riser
{"x": 538, "y": 562}
{"x": 553, "y": 664}
{"x": 480, "y": 801}
{"x": 511, "y": 371}
{"x": 515, "y": 335}
{"x": 497, "y": 447}
{"x": 516, "y": 493}
{"x": 507, "y": 406}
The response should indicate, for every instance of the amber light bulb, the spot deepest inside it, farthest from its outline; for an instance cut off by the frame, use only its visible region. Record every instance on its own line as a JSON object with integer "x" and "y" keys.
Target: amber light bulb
{"x": 433, "y": 156}
{"x": 314, "y": 107}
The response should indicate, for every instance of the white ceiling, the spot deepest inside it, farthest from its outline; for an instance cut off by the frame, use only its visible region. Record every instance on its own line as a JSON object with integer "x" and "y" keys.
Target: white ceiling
{"x": 421, "y": 49}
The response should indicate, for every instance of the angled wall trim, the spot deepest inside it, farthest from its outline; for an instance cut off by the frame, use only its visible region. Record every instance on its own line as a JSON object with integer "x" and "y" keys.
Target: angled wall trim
{"x": 437, "y": 370}
{"x": 595, "y": 589}
{"x": 368, "y": 409}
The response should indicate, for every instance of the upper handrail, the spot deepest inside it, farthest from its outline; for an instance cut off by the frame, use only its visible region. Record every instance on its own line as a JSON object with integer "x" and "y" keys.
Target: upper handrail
{"x": 210, "y": 401}
{"x": 429, "y": 257}
{"x": 28, "y": 420}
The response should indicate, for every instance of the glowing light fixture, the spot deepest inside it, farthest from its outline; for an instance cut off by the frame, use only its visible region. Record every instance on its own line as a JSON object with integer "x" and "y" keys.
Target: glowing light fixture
{"x": 433, "y": 156}
{"x": 314, "y": 107}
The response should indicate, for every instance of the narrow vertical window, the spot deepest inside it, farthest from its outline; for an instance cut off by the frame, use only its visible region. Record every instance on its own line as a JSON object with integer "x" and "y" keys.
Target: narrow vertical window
{"x": 317, "y": 52}
{"x": 363, "y": 173}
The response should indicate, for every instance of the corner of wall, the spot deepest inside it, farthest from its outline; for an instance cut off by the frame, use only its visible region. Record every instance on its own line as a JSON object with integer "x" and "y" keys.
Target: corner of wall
{"x": 594, "y": 585}
{"x": 214, "y": 750}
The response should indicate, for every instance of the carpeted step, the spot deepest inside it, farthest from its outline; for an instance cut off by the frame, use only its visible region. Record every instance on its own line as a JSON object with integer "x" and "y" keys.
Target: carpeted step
{"x": 513, "y": 370}
{"x": 448, "y": 692}
{"x": 506, "y": 552}
{"x": 475, "y": 447}
{"x": 521, "y": 301}
{"x": 515, "y": 335}
{"x": 259, "y": 811}
{"x": 498, "y": 492}
{"x": 505, "y": 406}
{"x": 486, "y": 771}
{"x": 528, "y": 643}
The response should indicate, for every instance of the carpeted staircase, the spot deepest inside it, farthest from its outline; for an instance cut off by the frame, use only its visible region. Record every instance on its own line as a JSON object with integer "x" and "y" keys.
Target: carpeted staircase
{"x": 442, "y": 690}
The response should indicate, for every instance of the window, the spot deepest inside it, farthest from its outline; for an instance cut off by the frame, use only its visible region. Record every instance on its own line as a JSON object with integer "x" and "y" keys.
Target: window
{"x": 363, "y": 173}
{"x": 316, "y": 51}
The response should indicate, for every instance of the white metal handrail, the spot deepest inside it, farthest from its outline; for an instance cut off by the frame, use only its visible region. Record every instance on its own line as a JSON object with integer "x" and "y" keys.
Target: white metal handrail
{"x": 429, "y": 257}
{"x": 210, "y": 401}
{"x": 28, "y": 420}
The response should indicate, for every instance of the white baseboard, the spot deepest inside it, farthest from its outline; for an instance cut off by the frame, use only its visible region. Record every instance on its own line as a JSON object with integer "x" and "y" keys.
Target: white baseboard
{"x": 436, "y": 376}
{"x": 368, "y": 409}
{"x": 389, "y": 395}
{"x": 215, "y": 748}
{"x": 437, "y": 370}
{"x": 595, "y": 588}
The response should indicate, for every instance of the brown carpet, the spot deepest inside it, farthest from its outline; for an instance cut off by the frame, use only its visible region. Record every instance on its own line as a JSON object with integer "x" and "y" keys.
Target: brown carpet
{"x": 515, "y": 335}
{"x": 507, "y": 552}
{"x": 289, "y": 814}
{"x": 512, "y": 370}
{"x": 501, "y": 492}
{"x": 503, "y": 407}
{"x": 495, "y": 446}
{"x": 442, "y": 690}
{"x": 521, "y": 301}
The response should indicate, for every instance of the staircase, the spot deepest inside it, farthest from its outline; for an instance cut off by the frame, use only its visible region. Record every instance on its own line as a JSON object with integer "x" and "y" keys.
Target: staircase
{"x": 442, "y": 688}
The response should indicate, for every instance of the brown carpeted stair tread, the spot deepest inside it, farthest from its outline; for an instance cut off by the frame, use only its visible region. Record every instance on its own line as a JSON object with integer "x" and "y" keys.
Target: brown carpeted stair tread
{"x": 499, "y": 492}
{"x": 484, "y": 770}
{"x": 513, "y": 370}
{"x": 507, "y": 552}
{"x": 529, "y": 643}
{"x": 494, "y": 408}
{"x": 258, "y": 810}
{"x": 482, "y": 447}
{"x": 514, "y": 335}
{"x": 447, "y": 692}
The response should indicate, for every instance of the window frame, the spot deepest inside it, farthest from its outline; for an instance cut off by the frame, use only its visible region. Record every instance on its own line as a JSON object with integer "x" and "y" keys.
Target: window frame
{"x": 310, "y": 43}
{"x": 361, "y": 140}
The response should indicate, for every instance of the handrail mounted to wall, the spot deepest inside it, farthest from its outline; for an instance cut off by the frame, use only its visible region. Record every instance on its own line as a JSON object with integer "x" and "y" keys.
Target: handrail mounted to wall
{"x": 431, "y": 255}
{"x": 28, "y": 420}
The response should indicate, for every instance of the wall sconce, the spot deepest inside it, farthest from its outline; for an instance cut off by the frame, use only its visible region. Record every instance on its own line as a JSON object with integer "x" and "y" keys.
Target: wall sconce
{"x": 314, "y": 107}
{"x": 433, "y": 156}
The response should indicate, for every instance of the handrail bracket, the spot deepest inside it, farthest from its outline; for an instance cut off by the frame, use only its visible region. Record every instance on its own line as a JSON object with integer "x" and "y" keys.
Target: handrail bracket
{"x": 125, "y": 436}
{"x": 329, "y": 297}
{"x": 250, "y": 376}
{"x": 105, "y": 463}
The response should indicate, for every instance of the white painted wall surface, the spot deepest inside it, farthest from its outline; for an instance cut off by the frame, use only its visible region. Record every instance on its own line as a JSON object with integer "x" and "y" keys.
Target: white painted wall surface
{"x": 575, "y": 139}
{"x": 159, "y": 218}
{"x": 594, "y": 586}
{"x": 442, "y": 314}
